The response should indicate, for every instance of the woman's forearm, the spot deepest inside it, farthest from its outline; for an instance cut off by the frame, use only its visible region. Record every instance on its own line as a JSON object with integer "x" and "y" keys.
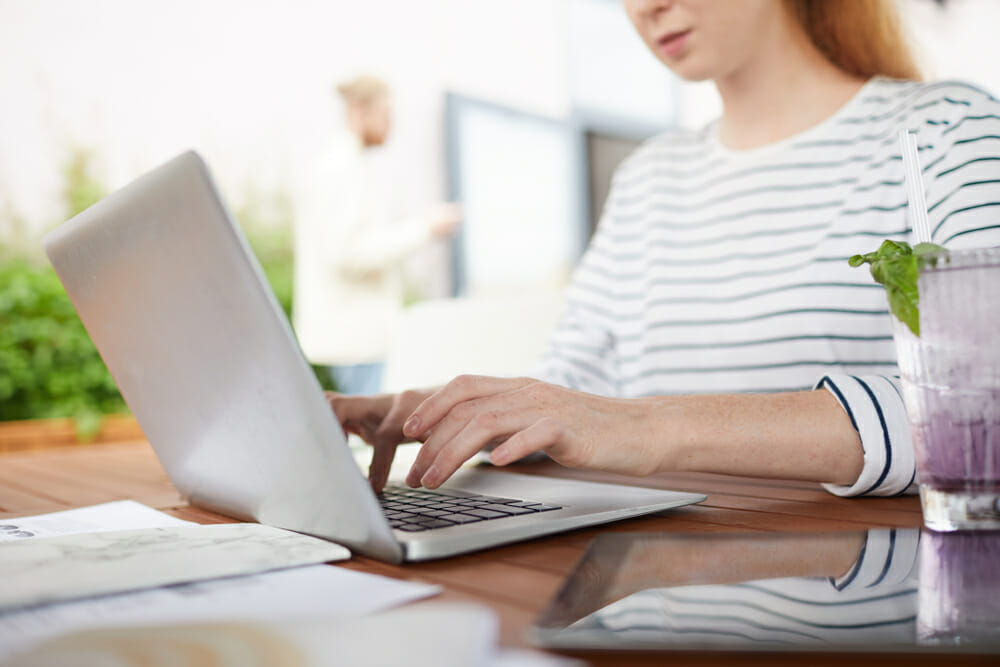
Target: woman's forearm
{"x": 796, "y": 435}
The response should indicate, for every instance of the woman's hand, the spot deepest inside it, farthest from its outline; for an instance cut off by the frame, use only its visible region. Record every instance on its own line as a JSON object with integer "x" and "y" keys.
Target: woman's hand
{"x": 379, "y": 421}
{"x": 522, "y": 416}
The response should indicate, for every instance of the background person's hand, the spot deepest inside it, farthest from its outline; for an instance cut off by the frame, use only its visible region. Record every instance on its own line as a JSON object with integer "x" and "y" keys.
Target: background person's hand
{"x": 522, "y": 416}
{"x": 378, "y": 420}
{"x": 444, "y": 219}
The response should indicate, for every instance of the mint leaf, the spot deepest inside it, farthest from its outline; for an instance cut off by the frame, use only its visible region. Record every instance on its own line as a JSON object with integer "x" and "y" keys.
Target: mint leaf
{"x": 896, "y": 266}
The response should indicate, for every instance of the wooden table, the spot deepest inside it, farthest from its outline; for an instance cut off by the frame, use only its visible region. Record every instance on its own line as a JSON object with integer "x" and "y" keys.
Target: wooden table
{"x": 515, "y": 581}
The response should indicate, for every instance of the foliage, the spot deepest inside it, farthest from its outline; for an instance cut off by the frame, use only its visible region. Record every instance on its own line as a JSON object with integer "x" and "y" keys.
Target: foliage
{"x": 48, "y": 365}
{"x": 273, "y": 247}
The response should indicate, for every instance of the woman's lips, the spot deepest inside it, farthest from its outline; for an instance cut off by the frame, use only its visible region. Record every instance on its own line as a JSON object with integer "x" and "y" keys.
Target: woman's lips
{"x": 673, "y": 44}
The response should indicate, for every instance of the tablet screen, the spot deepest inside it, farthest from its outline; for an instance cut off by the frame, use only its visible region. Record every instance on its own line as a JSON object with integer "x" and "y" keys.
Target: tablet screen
{"x": 894, "y": 590}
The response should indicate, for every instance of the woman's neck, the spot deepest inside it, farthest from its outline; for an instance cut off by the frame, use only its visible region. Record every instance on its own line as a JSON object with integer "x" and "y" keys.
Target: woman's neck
{"x": 787, "y": 87}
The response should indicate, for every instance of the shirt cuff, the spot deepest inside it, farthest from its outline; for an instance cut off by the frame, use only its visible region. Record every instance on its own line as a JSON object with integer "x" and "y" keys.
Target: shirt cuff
{"x": 875, "y": 407}
{"x": 888, "y": 558}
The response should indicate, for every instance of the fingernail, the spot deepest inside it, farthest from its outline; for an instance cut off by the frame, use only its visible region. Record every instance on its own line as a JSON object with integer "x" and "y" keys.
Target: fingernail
{"x": 413, "y": 478}
{"x": 430, "y": 477}
{"x": 410, "y": 428}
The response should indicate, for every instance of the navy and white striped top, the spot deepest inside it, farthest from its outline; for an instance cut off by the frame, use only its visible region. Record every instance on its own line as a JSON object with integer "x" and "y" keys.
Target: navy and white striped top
{"x": 716, "y": 271}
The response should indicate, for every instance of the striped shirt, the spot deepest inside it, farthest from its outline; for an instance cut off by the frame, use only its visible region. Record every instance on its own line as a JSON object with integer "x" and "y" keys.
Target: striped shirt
{"x": 716, "y": 271}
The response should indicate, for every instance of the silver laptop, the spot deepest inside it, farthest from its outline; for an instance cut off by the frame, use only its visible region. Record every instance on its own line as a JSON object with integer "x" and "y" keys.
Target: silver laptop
{"x": 173, "y": 297}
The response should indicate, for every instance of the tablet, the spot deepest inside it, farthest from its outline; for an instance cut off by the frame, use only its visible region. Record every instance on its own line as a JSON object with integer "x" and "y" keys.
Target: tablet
{"x": 880, "y": 590}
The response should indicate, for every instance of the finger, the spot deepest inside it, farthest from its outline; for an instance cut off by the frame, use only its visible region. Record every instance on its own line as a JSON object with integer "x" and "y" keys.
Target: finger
{"x": 461, "y": 389}
{"x": 446, "y": 456}
{"x": 354, "y": 409}
{"x": 541, "y": 435}
{"x": 444, "y": 432}
{"x": 386, "y": 438}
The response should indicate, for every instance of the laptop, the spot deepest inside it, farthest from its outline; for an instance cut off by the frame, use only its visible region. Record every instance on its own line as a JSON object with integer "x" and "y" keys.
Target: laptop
{"x": 176, "y": 303}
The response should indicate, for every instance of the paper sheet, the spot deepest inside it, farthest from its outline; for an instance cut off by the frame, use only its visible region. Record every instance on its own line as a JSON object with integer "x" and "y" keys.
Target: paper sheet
{"x": 319, "y": 591}
{"x": 430, "y": 635}
{"x": 67, "y": 567}
{"x": 117, "y": 515}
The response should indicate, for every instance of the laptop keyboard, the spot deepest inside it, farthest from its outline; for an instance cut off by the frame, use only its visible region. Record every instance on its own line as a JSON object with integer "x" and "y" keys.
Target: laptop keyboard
{"x": 414, "y": 510}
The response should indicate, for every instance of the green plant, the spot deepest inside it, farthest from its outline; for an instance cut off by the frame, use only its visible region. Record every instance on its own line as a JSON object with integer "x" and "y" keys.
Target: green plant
{"x": 896, "y": 266}
{"x": 48, "y": 365}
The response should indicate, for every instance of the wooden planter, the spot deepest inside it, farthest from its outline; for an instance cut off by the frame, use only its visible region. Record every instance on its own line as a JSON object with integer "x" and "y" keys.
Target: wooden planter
{"x": 41, "y": 433}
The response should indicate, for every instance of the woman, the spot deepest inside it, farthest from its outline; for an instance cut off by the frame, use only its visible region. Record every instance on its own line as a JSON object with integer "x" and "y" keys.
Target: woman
{"x": 714, "y": 323}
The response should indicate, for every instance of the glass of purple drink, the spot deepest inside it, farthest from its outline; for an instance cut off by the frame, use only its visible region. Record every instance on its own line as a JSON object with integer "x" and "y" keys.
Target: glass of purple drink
{"x": 951, "y": 385}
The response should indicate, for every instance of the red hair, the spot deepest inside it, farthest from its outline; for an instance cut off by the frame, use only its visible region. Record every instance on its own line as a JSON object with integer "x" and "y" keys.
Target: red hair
{"x": 861, "y": 37}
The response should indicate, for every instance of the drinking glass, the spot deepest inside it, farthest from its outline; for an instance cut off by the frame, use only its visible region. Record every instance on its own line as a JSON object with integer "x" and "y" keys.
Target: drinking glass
{"x": 951, "y": 385}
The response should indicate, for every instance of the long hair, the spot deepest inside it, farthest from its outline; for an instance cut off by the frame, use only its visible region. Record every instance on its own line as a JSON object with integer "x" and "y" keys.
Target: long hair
{"x": 862, "y": 37}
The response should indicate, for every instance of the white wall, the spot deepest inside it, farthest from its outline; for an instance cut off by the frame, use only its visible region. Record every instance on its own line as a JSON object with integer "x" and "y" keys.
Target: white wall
{"x": 248, "y": 83}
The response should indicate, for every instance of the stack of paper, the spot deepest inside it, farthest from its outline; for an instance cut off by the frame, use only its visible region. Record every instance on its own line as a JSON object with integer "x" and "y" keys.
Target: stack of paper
{"x": 75, "y": 563}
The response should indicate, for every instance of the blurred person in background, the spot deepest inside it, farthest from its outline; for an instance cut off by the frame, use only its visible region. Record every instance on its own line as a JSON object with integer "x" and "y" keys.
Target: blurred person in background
{"x": 349, "y": 286}
{"x": 713, "y": 323}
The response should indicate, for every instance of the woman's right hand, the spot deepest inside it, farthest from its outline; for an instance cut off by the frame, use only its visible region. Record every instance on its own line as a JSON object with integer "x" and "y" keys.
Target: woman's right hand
{"x": 378, "y": 420}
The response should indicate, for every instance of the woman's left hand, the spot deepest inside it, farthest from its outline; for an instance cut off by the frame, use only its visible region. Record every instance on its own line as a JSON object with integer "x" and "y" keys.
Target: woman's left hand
{"x": 521, "y": 416}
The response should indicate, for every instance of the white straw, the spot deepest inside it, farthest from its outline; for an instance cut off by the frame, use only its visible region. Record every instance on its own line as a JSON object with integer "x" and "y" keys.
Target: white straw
{"x": 914, "y": 187}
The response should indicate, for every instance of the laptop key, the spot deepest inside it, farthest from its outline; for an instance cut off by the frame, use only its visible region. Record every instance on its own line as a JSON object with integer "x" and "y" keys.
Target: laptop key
{"x": 503, "y": 509}
{"x": 494, "y": 499}
{"x": 434, "y": 523}
{"x": 511, "y": 510}
{"x": 410, "y": 527}
{"x": 537, "y": 507}
{"x": 462, "y": 518}
{"x": 486, "y": 514}
{"x": 450, "y": 507}
{"x": 544, "y": 508}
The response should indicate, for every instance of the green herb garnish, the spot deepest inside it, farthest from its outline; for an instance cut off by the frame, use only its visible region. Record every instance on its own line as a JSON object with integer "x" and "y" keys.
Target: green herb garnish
{"x": 896, "y": 266}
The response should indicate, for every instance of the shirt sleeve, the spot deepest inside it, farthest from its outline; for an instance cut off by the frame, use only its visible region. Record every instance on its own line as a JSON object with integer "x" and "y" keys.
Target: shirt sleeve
{"x": 960, "y": 151}
{"x": 378, "y": 247}
{"x": 887, "y": 559}
{"x": 875, "y": 407}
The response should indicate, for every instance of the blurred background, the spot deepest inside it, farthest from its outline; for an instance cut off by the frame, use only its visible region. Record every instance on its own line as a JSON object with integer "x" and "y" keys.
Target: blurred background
{"x": 520, "y": 110}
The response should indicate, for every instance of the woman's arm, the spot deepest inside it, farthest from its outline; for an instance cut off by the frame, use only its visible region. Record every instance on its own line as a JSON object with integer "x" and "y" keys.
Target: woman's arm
{"x": 799, "y": 435}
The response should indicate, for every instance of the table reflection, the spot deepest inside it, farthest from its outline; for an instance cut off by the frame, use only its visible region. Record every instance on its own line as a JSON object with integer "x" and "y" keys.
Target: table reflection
{"x": 959, "y": 599}
{"x": 885, "y": 589}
